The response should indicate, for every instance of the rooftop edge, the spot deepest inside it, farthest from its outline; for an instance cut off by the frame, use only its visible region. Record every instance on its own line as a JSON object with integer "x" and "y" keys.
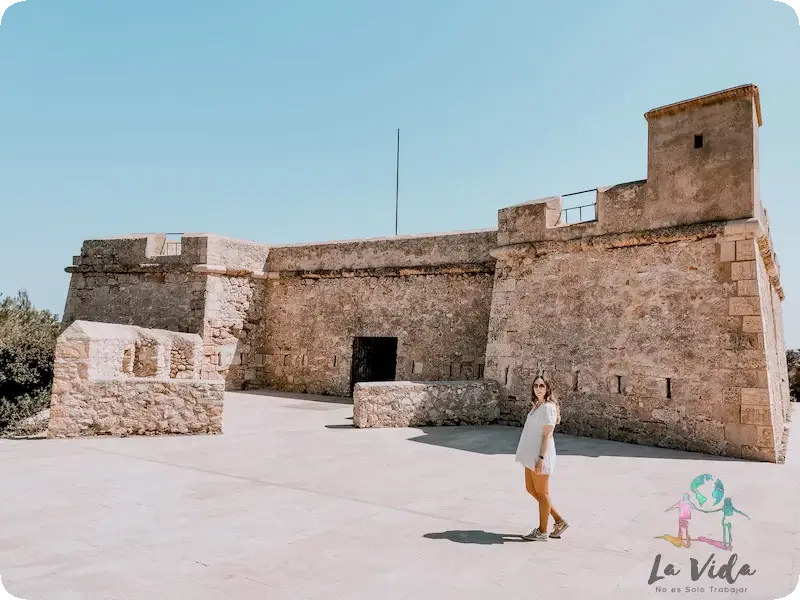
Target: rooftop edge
{"x": 743, "y": 91}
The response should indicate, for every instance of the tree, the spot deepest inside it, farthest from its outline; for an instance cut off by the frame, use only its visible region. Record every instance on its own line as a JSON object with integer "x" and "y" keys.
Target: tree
{"x": 793, "y": 362}
{"x": 27, "y": 346}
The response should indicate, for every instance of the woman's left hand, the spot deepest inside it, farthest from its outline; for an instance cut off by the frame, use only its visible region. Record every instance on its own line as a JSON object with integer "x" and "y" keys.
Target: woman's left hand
{"x": 537, "y": 468}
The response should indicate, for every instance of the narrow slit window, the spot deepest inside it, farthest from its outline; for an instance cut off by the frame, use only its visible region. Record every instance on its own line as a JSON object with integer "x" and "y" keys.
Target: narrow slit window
{"x": 505, "y": 377}
{"x": 619, "y": 384}
{"x": 575, "y": 381}
{"x": 669, "y": 387}
{"x": 451, "y": 369}
{"x": 480, "y": 371}
{"x": 698, "y": 141}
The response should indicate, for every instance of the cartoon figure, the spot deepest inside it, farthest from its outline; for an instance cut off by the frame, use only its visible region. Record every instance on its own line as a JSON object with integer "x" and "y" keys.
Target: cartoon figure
{"x": 684, "y": 507}
{"x": 728, "y": 509}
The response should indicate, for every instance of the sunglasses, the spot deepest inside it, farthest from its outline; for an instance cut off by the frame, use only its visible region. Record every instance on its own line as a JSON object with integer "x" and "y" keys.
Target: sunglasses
{"x": 539, "y": 385}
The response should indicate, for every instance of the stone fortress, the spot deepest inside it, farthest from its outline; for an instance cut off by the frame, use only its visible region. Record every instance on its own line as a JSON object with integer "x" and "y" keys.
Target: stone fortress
{"x": 658, "y": 321}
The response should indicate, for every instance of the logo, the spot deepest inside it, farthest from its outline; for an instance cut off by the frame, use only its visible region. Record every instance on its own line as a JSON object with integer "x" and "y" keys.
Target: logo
{"x": 706, "y": 508}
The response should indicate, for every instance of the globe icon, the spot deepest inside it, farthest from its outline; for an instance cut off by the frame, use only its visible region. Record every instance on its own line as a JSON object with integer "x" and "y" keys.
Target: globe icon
{"x": 707, "y": 489}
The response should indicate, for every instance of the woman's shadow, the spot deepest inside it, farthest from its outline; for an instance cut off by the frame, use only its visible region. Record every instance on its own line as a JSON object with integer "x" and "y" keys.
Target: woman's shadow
{"x": 474, "y": 536}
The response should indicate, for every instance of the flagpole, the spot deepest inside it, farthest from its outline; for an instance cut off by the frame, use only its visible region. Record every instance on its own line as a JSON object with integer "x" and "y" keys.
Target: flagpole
{"x": 397, "y": 185}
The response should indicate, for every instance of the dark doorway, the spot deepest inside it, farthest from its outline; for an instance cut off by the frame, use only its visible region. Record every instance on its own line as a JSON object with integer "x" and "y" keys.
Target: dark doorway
{"x": 374, "y": 359}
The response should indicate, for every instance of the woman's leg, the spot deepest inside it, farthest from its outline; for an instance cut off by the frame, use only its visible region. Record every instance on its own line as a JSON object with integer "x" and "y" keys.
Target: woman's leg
{"x": 531, "y": 488}
{"x": 541, "y": 484}
{"x": 529, "y": 484}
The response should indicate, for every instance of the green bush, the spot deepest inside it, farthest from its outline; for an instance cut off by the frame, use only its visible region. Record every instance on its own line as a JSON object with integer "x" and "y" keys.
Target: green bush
{"x": 27, "y": 345}
{"x": 793, "y": 362}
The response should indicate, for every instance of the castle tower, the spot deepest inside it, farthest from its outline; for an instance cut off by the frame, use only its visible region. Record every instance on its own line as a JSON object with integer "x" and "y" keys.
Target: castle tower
{"x": 702, "y": 159}
{"x": 659, "y": 322}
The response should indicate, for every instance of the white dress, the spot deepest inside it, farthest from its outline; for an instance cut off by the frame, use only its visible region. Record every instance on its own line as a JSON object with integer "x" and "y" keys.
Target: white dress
{"x": 530, "y": 442}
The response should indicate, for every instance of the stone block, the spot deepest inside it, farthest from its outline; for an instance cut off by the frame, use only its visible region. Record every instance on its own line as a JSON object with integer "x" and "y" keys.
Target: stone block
{"x": 750, "y": 359}
{"x": 752, "y": 324}
{"x": 755, "y": 396}
{"x": 762, "y": 379}
{"x": 751, "y": 341}
{"x": 743, "y": 270}
{"x": 728, "y": 412}
{"x": 744, "y": 306}
{"x": 727, "y": 251}
{"x": 755, "y": 415}
{"x": 746, "y": 250}
{"x": 747, "y": 287}
{"x": 73, "y": 349}
{"x": 743, "y": 435}
{"x": 766, "y": 436}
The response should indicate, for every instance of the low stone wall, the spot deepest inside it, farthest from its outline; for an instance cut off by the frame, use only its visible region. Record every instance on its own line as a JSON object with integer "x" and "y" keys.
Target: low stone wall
{"x": 125, "y": 380}
{"x": 420, "y": 404}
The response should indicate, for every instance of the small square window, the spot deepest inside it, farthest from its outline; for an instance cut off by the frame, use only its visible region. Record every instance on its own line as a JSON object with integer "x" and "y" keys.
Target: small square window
{"x": 698, "y": 140}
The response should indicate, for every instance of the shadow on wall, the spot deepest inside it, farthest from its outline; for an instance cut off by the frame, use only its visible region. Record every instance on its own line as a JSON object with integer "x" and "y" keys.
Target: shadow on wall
{"x": 498, "y": 439}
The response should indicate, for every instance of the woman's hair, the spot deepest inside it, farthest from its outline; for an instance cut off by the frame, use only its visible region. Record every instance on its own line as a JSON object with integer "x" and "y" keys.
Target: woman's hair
{"x": 548, "y": 395}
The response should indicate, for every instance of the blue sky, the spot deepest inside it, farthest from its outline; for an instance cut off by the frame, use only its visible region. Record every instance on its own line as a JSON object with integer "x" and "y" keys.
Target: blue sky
{"x": 276, "y": 121}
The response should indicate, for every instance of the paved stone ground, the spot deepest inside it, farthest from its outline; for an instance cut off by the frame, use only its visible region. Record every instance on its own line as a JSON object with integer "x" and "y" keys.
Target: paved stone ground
{"x": 292, "y": 502}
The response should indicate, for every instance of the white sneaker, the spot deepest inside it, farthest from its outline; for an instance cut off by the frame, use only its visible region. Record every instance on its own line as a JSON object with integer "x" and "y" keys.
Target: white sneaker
{"x": 558, "y": 529}
{"x": 535, "y": 536}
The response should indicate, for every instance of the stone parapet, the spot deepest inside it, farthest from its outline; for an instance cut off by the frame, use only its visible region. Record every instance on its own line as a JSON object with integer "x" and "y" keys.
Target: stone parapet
{"x": 420, "y": 404}
{"x": 124, "y": 380}
{"x": 413, "y": 251}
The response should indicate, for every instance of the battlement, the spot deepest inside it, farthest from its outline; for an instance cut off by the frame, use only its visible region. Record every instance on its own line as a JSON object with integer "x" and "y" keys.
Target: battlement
{"x": 150, "y": 250}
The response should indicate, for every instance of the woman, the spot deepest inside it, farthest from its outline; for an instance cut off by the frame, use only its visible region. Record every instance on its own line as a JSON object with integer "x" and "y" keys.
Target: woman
{"x": 537, "y": 453}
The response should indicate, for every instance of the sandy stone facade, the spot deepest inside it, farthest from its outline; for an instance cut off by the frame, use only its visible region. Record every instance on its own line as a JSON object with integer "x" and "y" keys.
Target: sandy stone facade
{"x": 659, "y": 321}
{"x": 421, "y": 404}
{"x": 124, "y": 380}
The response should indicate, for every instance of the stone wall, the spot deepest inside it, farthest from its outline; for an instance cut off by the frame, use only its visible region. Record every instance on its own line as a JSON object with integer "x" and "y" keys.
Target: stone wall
{"x": 233, "y": 323}
{"x": 440, "y": 322}
{"x": 202, "y": 284}
{"x": 128, "y": 281}
{"x": 124, "y": 380}
{"x": 415, "y": 404}
{"x": 652, "y": 341}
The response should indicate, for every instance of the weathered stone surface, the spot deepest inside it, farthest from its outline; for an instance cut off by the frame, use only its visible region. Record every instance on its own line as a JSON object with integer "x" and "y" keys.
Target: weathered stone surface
{"x": 744, "y": 306}
{"x": 440, "y": 321}
{"x": 125, "y": 380}
{"x": 752, "y": 324}
{"x": 745, "y": 250}
{"x": 743, "y": 270}
{"x": 420, "y": 404}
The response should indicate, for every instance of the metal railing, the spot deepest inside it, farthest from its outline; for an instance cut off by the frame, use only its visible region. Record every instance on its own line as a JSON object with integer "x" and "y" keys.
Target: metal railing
{"x": 563, "y": 218}
{"x": 171, "y": 247}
